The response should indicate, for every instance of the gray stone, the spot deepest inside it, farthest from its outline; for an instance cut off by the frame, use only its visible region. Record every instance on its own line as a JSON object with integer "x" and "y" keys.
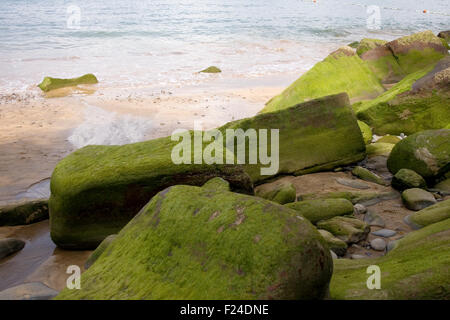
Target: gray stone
{"x": 359, "y": 208}
{"x": 417, "y": 199}
{"x": 386, "y": 233}
{"x": 353, "y": 183}
{"x": 9, "y": 246}
{"x": 373, "y": 219}
{"x": 357, "y": 256}
{"x": 333, "y": 255}
{"x": 378, "y": 244}
{"x": 391, "y": 245}
{"x": 28, "y": 291}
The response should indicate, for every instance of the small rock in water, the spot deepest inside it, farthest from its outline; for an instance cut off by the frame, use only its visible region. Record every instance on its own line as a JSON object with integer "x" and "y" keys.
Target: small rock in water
{"x": 359, "y": 208}
{"x": 28, "y": 291}
{"x": 352, "y": 183}
{"x": 357, "y": 256}
{"x": 9, "y": 246}
{"x": 386, "y": 233}
{"x": 378, "y": 244}
{"x": 374, "y": 219}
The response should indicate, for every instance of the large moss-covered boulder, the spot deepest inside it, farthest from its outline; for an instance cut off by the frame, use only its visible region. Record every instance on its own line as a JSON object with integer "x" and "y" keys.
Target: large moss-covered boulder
{"x": 418, "y": 102}
{"x": 194, "y": 243}
{"x": 407, "y": 179}
{"x": 417, "y": 268}
{"x": 96, "y": 190}
{"x": 427, "y": 153}
{"x": 432, "y": 214}
{"x": 367, "y": 44}
{"x": 281, "y": 192}
{"x": 417, "y": 199}
{"x": 50, "y": 83}
{"x": 335, "y": 244}
{"x": 342, "y": 71}
{"x": 99, "y": 250}
{"x": 348, "y": 229}
{"x": 322, "y": 209}
{"x": 314, "y": 136}
{"x": 23, "y": 212}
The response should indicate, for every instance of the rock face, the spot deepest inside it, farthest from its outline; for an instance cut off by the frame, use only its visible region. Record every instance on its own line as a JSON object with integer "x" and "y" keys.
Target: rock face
{"x": 229, "y": 246}
{"x": 28, "y": 291}
{"x": 54, "y": 83}
{"x": 417, "y": 199}
{"x": 99, "y": 250}
{"x": 350, "y": 230}
{"x": 427, "y": 153}
{"x": 305, "y": 131}
{"x": 9, "y": 246}
{"x": 418, "y": 102}
{"x": 24, "y": 212}
{"x": 96, "y": 190}
{"x": 417, "y": 268}
{"x": 342, "y": 71}
{"x": 316, "y": 210}
{"x": 282, "y": 193}
{"x": 407, "y": 179}
{"x": 336, "y": 245}
{"x": 432, "y": 214}
{"x": 368, "y": 175}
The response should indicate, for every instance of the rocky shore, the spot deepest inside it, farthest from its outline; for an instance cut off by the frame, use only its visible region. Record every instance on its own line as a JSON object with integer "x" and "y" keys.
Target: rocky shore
{"x": 363, "y": 179}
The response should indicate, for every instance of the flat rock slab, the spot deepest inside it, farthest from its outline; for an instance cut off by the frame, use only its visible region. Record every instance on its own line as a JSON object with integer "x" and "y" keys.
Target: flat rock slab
{"x": 28, "y": 291}
{"x": 353, "y": 183}
{"x": 386, "y": 233}
{"x": 417, "y": 199}
{"x": 9, "y": 246}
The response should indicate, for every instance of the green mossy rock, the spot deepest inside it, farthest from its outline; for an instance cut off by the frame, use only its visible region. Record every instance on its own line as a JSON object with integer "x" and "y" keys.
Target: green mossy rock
{"x": 366, "y": 131}
{"x": 336, "y": 245}
{"x": 194, "y": 243}
{"x": 314, "y": 136}
{"x": 444, "y": 35}
{"x": 417, "y": 268}
{"x": 367, "y": 44}
{"x": 54, "y": 83}
{"x": 427, "y": 153}
{"x": 443, "y": 186}
{"x": 350, "y": 230}
{"x": 417, "y": 199}
{"x": 100, "y": 249}
{"x": 23, "y": 212}
{"x": 342, "y": 71}
{"x": 217, "y": 184}
{"x": 368, "y": 175}
{"x": 379, "y": 149}
{"x": 211, "y": 69}
{"x": 354, "y": 44}
{"x": 407, "y": 179}
{"x": 317, "y": 210}
{"x": 281, "y": 193}
{"x": 389, "y": 139}
{"x": 96, "y": 190}
{"x": 353, "y": 196}
{"x": 432, "y": 214}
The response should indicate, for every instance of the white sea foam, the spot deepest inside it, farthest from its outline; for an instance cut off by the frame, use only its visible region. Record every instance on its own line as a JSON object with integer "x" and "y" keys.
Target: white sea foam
{"x": 102, "y": 127}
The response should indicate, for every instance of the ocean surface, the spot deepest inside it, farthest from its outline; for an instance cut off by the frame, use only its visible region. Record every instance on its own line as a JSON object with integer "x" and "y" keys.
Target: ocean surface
{"x": 130, "y": 43}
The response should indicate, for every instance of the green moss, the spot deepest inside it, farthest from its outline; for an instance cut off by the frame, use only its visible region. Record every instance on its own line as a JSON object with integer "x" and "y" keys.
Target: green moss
{"x": 96, "y": 190}
{"x": 316, "y": 210}
{"x": 379, "y": 149}
{"x": 217, "y": 184}
{"x": 389, "y": 139}
{"x": 336, "y": 245}
{"x": 366, "y": 131}
{"x": 212, "y": 69}
{"x": 427, "y": 153}
{"x": 407, "y": 179}
{"x": 23, "y": 212}
{"x": 194, "y": 243}
{"x": 280, "y": 193}
{"x": 354, "y": 44}
{"x": 433, "y": 214}
{"x": 367, "y": 44}
{"x": 443, "y": 186}
{"x": 341, "y": 71}
{"x": 305, "y": 131}
{"x": 418, "y": 268}
{"x": 99, "y": 250}
{"x": 54, "y": 83}
{"x": 368, "y": 175}
{"x": 348, "y": 229}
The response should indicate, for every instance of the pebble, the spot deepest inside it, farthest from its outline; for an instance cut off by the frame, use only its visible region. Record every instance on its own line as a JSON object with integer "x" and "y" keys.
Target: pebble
{"x": 378, "y": 244}
{"x": 357, "y": 256}
{"x": 359, "y": 208}
{"x": 386, "y": 233}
